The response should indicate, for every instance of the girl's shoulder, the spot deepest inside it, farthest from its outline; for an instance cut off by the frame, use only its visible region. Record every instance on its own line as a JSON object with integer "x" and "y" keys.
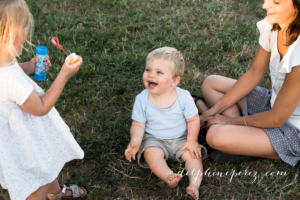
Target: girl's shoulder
{"x": 16, "y": 85}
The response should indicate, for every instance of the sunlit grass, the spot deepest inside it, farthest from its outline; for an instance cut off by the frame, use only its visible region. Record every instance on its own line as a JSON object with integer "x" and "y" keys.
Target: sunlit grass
{"x": 114, "y": 38}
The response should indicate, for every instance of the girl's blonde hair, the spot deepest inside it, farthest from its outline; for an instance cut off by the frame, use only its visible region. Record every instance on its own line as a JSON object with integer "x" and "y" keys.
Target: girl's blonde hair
{"x": 14, "y": 16}
{"x": 171, "y": 54}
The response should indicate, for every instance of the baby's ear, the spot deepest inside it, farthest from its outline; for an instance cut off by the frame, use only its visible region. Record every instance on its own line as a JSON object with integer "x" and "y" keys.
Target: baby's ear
{"x": 176, "y": 81}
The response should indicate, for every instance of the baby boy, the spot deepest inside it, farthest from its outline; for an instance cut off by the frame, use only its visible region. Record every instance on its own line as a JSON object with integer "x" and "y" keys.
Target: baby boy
{"x": 166, "y": 123}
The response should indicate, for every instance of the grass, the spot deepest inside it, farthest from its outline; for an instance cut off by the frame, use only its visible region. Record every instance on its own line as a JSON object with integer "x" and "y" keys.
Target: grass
{"x": 114, "y": 38}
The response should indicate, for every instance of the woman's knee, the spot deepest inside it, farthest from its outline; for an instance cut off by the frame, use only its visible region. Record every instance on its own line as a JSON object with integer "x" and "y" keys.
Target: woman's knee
{"x": 214, "y": 137}
{"x": 219, "y": 83}
{"x": 209, "y": 82}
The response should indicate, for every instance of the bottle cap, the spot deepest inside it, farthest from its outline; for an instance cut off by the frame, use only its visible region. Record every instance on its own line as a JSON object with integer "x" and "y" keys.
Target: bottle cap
{"x": 41, "y": 50}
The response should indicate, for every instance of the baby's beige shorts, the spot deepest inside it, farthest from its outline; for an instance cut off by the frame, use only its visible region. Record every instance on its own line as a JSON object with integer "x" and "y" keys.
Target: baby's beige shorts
{"x": 171, "y": 148}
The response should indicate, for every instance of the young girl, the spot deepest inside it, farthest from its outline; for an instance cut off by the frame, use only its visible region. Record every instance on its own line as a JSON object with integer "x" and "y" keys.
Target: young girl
{"x": 35, "y": 143}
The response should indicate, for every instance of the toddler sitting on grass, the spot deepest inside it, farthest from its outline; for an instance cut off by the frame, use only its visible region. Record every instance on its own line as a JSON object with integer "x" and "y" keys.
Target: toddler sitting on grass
{"x": 166, "y": 123}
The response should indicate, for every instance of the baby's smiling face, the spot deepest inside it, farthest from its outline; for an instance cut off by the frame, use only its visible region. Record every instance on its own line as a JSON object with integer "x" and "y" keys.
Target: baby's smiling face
{"x": 158, "y": 77}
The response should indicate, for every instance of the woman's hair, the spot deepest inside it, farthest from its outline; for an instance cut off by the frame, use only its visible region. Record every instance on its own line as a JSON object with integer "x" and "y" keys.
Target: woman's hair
{"x": 293, "y": 31}
{"x": 14, "y": 16}
{"x": 171, "y": 54}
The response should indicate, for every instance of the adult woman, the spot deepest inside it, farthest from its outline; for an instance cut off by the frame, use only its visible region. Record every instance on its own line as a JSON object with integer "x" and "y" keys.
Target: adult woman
{"x": 270, "y": 125}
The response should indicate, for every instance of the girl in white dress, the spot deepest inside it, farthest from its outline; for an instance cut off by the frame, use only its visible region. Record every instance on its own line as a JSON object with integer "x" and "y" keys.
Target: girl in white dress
{"x": 269, "y": 126}
{"x": 35, "y": 142}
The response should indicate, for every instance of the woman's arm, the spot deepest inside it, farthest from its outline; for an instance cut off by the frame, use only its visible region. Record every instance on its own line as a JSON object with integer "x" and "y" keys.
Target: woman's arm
{"x": 285, "y": 104}
{"x": 244, "y": 85}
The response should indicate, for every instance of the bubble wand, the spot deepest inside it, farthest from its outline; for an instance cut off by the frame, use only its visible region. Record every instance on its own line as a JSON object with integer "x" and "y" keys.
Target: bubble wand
{"x": 55, "y": 42}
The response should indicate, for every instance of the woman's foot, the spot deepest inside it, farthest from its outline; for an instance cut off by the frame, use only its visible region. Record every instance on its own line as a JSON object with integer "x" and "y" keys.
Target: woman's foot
{"x": 193, "y": 191}
{"x": 200, "y": 103}
{"x": 221, "y": 157}
{"x": 173, "y": 179}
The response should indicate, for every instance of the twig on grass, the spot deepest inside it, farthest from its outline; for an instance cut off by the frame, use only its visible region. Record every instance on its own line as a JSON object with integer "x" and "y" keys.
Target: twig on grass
{"x": 122, "y": 172}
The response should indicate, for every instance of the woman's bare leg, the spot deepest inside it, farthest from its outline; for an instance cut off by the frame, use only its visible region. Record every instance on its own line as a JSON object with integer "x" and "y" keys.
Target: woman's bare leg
{"x": 213, "y": 89}
{"x": 154, "y": 157}
{"x": 241, "y": 140}
{"x": 231, "y": 139}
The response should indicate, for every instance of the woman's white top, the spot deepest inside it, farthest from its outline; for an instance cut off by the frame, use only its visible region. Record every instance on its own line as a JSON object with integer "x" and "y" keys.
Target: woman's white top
{"x": 33, "y": 149}
{"x": 278, "y": 69}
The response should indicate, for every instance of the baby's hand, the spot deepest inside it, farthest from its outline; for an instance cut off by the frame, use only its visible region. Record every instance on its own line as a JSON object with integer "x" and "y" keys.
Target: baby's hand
{"x": 69, "y": 69}
{"x": 131, "y": 150}
{"x": 193, "y": 147}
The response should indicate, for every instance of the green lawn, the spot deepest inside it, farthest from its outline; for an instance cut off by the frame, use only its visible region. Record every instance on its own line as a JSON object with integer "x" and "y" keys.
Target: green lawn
{"x": 114, "y": 38}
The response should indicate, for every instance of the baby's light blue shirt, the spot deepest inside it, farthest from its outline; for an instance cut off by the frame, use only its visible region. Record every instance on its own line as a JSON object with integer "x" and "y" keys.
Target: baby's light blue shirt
{"x": 169, "y": 123}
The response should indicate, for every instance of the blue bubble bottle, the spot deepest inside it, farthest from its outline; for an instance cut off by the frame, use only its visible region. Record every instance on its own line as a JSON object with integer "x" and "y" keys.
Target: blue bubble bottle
{"x": 40, "y": 66}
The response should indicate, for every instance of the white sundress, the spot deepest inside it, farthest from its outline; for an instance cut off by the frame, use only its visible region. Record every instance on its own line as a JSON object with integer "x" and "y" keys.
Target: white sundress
{"x": 33, "y": 149}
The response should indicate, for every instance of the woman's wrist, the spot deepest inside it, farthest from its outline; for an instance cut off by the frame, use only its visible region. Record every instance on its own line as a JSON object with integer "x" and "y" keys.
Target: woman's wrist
{"x": 238, "y": 121}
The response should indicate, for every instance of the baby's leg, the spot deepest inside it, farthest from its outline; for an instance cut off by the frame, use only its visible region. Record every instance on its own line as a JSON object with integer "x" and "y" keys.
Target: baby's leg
{"x": 195, "y": 169}
{"x": 154, "y": 156}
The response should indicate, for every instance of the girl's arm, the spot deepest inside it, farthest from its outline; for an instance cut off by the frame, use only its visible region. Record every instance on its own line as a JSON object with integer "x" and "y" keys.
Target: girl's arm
{"x": 244, "y": 85}
{"x": 285, "y": 104}
{"x": 40, "y": 106}
{"x": 28, "y": 67}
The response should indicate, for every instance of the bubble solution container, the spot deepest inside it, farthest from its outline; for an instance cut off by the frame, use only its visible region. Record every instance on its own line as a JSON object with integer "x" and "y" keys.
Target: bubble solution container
{"x": 40, "y": 66}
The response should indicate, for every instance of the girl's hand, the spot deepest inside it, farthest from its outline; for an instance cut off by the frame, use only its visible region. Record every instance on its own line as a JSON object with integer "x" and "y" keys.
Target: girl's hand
{"x": 218, "y": 119}
{"x": 33, "y": 61}
{"x": 131, "y": 150}
{"x": 193, "y": 147}
{"x": 68, "y": 69}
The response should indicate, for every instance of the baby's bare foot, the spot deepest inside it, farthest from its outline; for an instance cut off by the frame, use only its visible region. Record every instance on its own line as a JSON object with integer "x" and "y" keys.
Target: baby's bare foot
{"x": 193, "y": 191}
{"x": 173, "y": 179}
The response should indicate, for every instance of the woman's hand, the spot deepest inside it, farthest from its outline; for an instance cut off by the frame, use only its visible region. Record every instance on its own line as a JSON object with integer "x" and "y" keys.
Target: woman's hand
{"x": 193, "y": 147}
{"x": 209, "y": 113}
{"x": 218, "y": 119}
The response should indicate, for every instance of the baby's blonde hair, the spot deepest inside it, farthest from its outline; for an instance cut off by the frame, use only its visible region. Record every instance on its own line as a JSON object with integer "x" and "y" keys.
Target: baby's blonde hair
{"x": 14, "y": 16}
{"x": 171, "y": 54}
